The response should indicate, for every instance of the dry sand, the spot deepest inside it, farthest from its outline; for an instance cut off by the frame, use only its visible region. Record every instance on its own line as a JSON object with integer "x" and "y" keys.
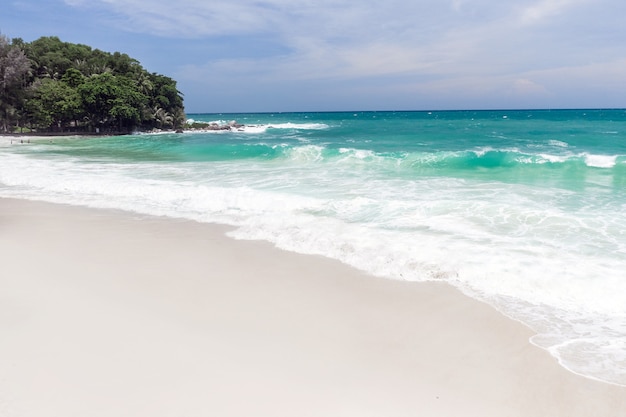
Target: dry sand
{"x": 112, "y": 314}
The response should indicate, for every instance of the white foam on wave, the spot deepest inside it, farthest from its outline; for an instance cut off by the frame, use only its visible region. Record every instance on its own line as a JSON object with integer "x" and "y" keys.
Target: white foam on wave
{"x": 301, "y": 126}
{"x": 483, "y": 151}
{"x": 253, "y": 128}
{"x": 506, "y": 251}
{"x": 150, "y": 188}
{"x": 285, "y": 125}
{"x": 306, "y": 153}
{"x": 549, "y": 158}
{"x": 600, "y": 161}
{"x": 359, "y": 156}
{"x": 595, "y": 161}
{"x": 559, "y": 272}
{"x": 262, "y": 128}
{"x": 558, "y": 143}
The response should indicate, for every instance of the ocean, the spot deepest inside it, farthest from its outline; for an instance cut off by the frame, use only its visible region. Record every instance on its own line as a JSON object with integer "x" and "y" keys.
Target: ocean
{"x": 522, "y": 209}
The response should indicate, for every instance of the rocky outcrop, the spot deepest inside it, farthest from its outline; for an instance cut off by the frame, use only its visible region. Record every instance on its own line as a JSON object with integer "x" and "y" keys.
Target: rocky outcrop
{"x": 200, "y": 126}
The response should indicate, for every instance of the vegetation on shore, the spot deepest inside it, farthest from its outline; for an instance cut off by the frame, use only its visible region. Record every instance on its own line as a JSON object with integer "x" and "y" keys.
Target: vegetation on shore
{"x": 49, "y": 86}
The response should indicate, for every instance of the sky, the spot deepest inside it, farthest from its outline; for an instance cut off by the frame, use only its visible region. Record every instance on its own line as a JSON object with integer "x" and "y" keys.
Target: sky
{"x": 350, "y": 55}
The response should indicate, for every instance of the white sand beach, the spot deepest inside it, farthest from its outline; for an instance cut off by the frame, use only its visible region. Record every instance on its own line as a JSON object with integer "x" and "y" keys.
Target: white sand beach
{"x": 107, "y": 313}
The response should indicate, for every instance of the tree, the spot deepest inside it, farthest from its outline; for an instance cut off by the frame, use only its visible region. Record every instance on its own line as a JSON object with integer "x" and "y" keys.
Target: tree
{"x": 163, "y": 118}
{"x": 165, "y": 96}
{"x": 179, "y": 118}
{"x": 111, "y": 100}
{"x": 73, "y": 77}
{"x": 14, "y": 66}
{"x": 52, "y": 58}
{"x": 165, "y": 93}
{"x": 55, "y": 103}
{"x": 55, "y": 84}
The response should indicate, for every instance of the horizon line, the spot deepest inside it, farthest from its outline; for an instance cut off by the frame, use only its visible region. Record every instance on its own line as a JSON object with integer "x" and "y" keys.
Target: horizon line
{"x": 418, "y": 111}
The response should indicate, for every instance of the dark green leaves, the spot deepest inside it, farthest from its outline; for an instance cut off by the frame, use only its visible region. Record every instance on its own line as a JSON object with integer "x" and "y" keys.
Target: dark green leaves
{"x": 55, "y": 85}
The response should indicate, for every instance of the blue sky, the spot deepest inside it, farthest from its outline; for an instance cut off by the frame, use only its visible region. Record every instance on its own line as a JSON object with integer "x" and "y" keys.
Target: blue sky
{"x": 318, "y": 55}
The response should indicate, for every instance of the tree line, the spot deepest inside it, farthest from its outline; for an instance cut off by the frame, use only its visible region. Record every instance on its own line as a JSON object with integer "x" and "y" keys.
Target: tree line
{"x": 52, "y": 86}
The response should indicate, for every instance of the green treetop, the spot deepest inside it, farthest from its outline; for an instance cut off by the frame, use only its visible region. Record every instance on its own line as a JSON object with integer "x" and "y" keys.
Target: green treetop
{"x": 50, "y": 85}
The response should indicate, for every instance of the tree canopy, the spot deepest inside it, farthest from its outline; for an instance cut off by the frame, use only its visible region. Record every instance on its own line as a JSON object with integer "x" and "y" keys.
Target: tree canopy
{"x": 50, "y": 85}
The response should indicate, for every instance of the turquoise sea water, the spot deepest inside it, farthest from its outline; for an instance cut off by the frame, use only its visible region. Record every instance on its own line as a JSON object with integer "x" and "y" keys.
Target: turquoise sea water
{"x": 525, "y": 210}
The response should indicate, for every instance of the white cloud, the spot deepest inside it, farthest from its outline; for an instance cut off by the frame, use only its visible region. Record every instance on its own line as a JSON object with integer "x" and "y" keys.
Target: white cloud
{"x": 480, "y": 47}
{"x": 457, "y": 5}
{"x": 604, "y": 77}
{"x": 488, "y": 49}
{"x": 545, "y": 9}
{"x": 347, "y": 37}
{"x": 524, "y": 87}
{"x": 321, "y": 18}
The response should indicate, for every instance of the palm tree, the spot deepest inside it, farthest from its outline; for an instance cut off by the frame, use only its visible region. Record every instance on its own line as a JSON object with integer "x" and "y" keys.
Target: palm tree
{"x": 144, "y": 83}
{"x": 163, "y": 118}
{"x": 179, "y": 118}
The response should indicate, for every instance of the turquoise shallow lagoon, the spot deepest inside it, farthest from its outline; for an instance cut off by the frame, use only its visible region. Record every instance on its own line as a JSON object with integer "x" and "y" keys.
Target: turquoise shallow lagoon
{"x": 524, "y": 209}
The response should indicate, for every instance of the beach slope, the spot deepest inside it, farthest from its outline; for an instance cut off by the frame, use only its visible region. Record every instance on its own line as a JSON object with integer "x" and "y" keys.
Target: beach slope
{"x": 114, "y": 314}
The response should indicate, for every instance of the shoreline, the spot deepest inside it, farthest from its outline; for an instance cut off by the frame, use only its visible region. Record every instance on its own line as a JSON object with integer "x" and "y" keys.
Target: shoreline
{"x": 115, "y": 313}
{"x": 23, "y": 138}
{"x": 191, "y": 128}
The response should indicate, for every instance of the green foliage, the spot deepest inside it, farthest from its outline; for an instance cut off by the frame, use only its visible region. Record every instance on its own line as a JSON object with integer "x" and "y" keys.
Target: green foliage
{"x": 73, "y": 77}
{"x": 54, "y": 85}
{"x": 110, "y": 99}
{"x": 54, "y": 103}
{"x": 14, "y": 70}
